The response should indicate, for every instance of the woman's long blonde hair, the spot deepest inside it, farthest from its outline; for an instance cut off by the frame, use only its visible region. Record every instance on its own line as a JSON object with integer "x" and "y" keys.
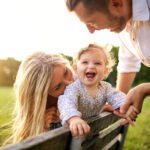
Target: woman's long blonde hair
{"x": 31, "y": 87}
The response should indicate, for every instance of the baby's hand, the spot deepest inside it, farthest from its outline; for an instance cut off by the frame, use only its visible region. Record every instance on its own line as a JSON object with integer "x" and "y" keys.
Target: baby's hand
{"x": 78, "y": 126}
{"x": 130, "y": 116}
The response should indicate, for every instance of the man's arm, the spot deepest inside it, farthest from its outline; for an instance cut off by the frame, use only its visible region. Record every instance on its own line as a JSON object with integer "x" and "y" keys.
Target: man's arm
{"x": 136, "y": 97}
{"x": 124, "y": 81}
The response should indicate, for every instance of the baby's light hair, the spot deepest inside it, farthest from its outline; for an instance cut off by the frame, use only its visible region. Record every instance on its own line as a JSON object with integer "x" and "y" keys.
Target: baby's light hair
{"x": 31, "y": 87}
{"x": 109, "y": 60}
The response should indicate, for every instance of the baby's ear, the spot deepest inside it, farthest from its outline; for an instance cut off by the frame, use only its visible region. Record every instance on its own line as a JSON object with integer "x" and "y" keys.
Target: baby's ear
{"x": 106, "y": 71}
{"x": 74, "y": 66}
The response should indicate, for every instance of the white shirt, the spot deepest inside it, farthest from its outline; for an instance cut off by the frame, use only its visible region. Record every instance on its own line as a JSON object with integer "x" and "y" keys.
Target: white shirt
{"x": 77, "y": 101}
{"x": 135, "y": 39}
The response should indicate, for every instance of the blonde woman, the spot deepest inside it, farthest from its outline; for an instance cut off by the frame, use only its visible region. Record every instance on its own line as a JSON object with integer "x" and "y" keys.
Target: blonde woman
{"x": 36, "y": 93}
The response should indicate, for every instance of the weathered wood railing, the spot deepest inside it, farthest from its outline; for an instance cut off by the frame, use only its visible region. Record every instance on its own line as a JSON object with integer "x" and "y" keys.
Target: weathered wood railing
{"x": 106, "y": 133}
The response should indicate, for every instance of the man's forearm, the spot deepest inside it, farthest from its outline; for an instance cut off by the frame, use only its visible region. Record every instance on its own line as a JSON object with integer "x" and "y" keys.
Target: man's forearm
{"x": 145, "y": 89}
{"x": 124, "y": 81}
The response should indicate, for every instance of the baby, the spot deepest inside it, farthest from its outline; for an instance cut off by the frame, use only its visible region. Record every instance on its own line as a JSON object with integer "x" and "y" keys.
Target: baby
{"x": 86, "y": 96}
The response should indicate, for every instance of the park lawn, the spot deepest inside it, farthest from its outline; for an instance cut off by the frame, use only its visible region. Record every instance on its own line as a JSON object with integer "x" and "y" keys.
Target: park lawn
{"x": 7, "y": 100}
{"x": 137, "y": 137}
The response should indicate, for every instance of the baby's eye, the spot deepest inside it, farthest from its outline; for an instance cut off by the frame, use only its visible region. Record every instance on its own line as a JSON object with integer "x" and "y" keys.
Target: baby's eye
{"x": 97, "y": 63}
{"x": 84, "y": 62}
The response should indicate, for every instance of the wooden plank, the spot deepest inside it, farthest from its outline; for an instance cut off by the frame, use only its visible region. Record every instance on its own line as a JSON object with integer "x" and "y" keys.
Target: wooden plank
{"x": 96, "y": 123}
{"x": 57, "y": 139}
{"x": 113, "y": 144}
{"x": 124, "y": 133}
{"x": 101, "y": 122}
{"x": 105, "y": 137}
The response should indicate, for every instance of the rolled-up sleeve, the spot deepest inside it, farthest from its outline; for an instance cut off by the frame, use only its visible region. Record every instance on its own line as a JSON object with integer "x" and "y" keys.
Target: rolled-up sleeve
{"x": 68, "y": 104}
{"x": 128, "y": 62}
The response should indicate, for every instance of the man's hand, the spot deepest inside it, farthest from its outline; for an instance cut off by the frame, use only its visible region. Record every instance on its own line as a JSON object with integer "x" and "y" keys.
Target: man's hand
{"x": 78, "y": 126}
{"x": 136, "y": 97}
{"x": 127, "y": 118}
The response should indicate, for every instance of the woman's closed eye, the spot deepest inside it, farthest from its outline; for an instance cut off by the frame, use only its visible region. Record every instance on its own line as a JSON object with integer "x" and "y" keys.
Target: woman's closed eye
{"x": 58, "y": 87}
{"x": 66, "y": 72}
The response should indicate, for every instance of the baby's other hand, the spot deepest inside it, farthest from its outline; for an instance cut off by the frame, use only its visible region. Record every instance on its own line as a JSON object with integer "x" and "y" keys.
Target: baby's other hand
{"x": 78, "y": 126}
{"x": 132, "y": 113}
{"x": 129, "y": 116}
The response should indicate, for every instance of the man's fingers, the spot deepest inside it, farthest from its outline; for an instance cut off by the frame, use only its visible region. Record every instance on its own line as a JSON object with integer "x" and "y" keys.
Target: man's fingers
{"x": 125, "y": 106}
{"x": 136, "y": 110}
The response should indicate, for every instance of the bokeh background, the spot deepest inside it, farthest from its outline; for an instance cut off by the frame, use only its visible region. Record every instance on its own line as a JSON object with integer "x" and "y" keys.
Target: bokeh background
{"x": 30, "y": 25}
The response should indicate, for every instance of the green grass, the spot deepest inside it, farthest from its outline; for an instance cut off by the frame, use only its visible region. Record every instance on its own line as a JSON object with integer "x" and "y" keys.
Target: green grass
{"x": 137, "y": 137}
{"x": 6, "y": 107}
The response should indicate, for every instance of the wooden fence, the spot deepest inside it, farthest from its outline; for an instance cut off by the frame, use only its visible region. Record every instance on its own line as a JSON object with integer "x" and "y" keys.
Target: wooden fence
{"x": 106, "y": 134}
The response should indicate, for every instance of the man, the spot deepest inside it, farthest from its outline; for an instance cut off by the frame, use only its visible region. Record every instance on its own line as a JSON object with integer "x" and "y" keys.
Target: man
{"x": 131, "y": 19}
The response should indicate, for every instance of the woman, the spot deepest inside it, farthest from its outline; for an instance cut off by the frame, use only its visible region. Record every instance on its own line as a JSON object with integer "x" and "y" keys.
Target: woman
{"x": 40, "y": 80}
{"x": 36, "y": 93}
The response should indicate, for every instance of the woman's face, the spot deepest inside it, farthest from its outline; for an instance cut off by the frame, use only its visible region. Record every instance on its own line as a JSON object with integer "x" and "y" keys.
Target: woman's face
{"x": 62, "y": 77}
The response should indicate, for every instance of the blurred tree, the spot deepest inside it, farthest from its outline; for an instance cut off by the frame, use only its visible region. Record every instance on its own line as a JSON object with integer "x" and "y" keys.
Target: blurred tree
{"x": 142, "y": 76}
{"x": 67, "y": 57}
{"x": 9, "y": 68}
{"x": 8, "y": 71}
{"x": 113, "y": 75}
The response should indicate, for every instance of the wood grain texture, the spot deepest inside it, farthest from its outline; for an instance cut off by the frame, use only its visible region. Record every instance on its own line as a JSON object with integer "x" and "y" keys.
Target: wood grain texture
{"x": 105, "y": 133}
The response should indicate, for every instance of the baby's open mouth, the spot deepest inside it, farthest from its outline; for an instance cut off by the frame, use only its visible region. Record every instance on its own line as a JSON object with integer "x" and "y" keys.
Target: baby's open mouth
{"x": 90, "y": 75}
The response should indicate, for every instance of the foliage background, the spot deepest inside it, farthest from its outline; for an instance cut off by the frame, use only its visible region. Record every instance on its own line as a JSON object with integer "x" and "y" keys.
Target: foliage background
{"x": 137, "y": 138}
{"x": 9, "y": 68}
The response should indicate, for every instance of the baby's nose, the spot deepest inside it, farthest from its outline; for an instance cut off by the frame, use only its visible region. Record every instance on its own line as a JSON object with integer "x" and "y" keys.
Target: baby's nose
{"x": 91, "y": 65}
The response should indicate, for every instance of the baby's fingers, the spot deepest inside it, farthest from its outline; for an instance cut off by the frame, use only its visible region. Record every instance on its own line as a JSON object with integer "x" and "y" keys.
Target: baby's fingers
{"x": 74, "y": 130}
{"x": 80, "y": 129}
{"x": 86, "y": 128}
{"x": 132, "y": 116}
{"x": 130, "y": 121}
{"x": 124, "y": 122}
